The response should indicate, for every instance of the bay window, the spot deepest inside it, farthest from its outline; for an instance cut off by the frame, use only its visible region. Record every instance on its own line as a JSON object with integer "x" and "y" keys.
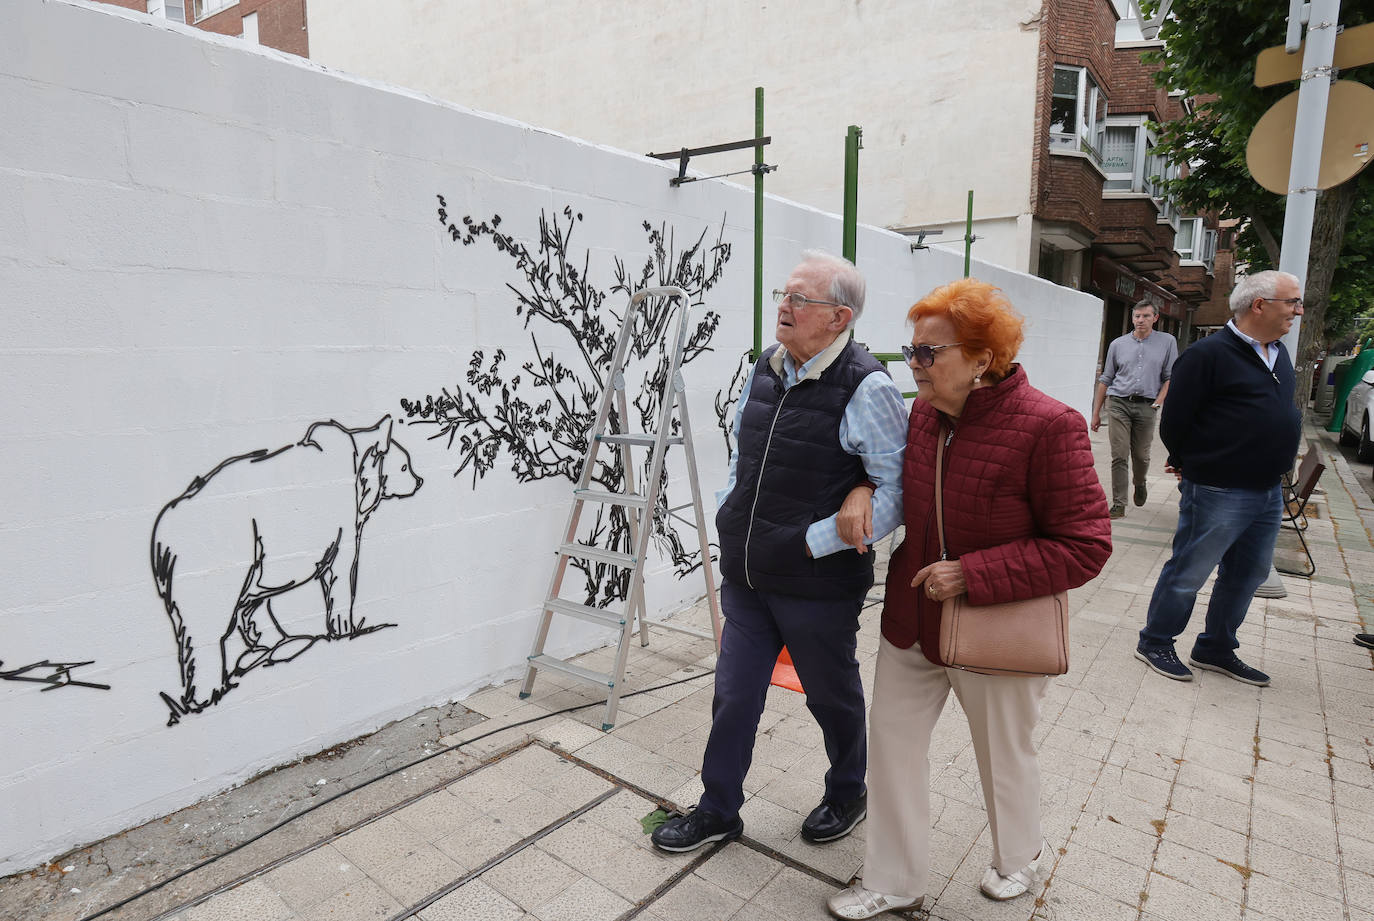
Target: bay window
{"x": 1078, "y": 110}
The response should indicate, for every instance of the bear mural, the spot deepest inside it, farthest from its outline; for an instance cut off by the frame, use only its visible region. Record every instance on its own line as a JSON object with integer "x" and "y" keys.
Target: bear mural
{"x": 248, "y": 560}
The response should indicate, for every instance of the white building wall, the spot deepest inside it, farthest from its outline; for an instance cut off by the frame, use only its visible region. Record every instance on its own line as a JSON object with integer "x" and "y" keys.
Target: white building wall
{"x": 944, "y": 92}
{"x": 205, "y": 250}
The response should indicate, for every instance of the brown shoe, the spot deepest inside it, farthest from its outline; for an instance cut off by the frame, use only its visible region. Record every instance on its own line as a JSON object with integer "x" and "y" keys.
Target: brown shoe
{"x": 1119, "y": 510}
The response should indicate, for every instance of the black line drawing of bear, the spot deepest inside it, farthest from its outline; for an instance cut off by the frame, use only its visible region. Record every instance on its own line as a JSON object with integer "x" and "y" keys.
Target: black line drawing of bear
{"x": 228, "y": 552}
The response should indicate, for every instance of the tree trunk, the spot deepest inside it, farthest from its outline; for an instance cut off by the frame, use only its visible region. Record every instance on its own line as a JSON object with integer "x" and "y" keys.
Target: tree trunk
{"x": 1328, "y": 234}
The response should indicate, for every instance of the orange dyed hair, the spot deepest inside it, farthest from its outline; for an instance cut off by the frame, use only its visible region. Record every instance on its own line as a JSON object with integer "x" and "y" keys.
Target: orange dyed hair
{"x": 983, "y": 318}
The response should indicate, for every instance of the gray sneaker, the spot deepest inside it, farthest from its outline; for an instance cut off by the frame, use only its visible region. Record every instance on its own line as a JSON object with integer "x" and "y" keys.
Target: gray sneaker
{"x": 1165, "y": 661}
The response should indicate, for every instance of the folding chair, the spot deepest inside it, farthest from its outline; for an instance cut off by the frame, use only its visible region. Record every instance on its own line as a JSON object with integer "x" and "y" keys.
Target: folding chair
{"x": 1296, "y": 492}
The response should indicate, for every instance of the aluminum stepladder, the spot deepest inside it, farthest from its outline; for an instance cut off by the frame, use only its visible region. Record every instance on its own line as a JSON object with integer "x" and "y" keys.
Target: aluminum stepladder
{"x": 639, "y": 510}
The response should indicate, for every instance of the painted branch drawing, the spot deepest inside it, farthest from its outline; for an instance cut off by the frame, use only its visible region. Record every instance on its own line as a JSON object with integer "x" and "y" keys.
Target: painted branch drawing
{"x": 229, "y": 553}
{"x": 539, "y": 415}
{"x": 53, "y": 674}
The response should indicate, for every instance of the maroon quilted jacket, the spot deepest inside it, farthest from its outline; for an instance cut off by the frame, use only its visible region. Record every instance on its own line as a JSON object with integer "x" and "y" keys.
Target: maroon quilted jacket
{"x": 1024, "y": 511}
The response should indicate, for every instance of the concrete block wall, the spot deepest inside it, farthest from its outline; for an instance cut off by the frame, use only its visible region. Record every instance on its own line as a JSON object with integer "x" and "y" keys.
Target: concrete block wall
{"x": 225, "y": 281}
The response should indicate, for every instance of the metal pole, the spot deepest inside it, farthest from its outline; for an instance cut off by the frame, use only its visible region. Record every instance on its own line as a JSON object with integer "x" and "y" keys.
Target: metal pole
{"x": 1307, "y": 145}
{"x": 852, "y": 145}
{"x": 1301, "y": 205}
{"x": 758, "y": 227}
{"x": 968, "y": 234}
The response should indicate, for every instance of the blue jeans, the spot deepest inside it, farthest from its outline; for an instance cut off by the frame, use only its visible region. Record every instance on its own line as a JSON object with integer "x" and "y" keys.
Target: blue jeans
{"x": 1232, "y": 530}
{"x": 822, "y": 637}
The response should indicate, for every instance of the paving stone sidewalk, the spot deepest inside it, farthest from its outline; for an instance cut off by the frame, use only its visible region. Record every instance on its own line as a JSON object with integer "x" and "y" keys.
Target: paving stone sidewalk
{"x": 1162, "y": 800}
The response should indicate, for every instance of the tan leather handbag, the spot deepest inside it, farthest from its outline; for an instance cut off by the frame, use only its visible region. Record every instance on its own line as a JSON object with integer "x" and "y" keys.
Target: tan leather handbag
{"x": 1026, "y": 638}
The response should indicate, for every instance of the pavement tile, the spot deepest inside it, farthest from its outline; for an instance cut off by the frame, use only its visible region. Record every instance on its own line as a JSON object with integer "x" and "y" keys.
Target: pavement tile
{"x": 253, "y": 901}
{"x": 437, "y": 815}
{"x": 584, "y": 900}
{"x": 1278, "y": 899}
{"x": 312, "y": 877}
{"x": 793, "y": 895}
{"x": 769, "y": 823}
{"x": 583, "y": 845}
{"x": 470, "y": 902}
{"x": 474, "y": 845}
{"x": 1200, "y": 834}
{"x": 739, "y": 870}
{"x": 1172, "y": 898}
{"x": 362, "y": 901}
{"x": 635, "y": 872}
{"x": 1112, "y": 837}
{"x": 1065, "y": 900}
{"x": 1109, "y": 876}
{"x": 695, "y": 898}
{"x": 530, "y": 877}
{"x": 1314, "y": 835}
{"x": 415, "y": 876}
{"x": 378, "y": 843}
{"x": 1202, "y": 871}
{"x": 1216, "y": 809}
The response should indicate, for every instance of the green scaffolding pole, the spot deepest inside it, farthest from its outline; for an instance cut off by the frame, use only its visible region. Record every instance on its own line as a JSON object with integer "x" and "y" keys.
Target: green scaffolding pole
{"x": 968, "y": 235}
{"x": 853, "y": 143}
{"x": 758, "y": 228}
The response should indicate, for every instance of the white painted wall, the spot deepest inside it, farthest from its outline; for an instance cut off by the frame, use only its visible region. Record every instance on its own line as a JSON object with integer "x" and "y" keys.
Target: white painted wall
{"x": 207, "y": 247}
{"x": 944, "y": 92}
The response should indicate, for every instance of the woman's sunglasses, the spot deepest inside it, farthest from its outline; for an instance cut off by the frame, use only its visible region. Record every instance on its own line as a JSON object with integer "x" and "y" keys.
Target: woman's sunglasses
{"x": 924, "y": 355}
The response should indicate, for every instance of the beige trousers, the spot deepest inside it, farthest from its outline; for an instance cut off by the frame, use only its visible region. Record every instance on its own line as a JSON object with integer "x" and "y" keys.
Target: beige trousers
{"x": 908, "y": 695}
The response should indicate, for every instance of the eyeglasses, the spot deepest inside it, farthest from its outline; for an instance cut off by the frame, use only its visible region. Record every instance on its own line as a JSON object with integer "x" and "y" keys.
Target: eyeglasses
{"x": 799, "y": 301}
{"x": 1290, "y": 301}
{"x": 924, "y": 355}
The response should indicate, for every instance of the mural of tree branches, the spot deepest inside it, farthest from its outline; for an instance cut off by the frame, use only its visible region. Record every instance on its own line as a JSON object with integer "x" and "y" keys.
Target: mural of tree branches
{"x": 538, "y": 416}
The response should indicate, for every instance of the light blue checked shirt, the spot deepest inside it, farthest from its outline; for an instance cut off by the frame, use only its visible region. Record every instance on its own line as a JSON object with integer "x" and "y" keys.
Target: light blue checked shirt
{"x": 873, "y": 429}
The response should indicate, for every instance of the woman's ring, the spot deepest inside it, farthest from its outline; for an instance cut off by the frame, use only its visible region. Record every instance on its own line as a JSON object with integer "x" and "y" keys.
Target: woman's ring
{"x": 930, "y": 590}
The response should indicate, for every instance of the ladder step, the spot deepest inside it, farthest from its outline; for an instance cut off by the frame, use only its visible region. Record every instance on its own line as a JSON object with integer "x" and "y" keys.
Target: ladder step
{"x": 583, "y": 612}
{"x": 690, "y": 631}
{"x": 582, "y": 551}
{"x": 643, "y": 441}
{"x": 576, "y": 671}
{"x": 629, "y": 500}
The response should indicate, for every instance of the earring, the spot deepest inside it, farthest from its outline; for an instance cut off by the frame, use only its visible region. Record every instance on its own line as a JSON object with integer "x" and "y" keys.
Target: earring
{"x": 977, "y": 379}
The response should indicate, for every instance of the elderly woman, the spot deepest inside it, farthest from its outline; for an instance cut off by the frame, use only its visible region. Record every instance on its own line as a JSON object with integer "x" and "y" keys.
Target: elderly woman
{"x": 1024, "y": 516}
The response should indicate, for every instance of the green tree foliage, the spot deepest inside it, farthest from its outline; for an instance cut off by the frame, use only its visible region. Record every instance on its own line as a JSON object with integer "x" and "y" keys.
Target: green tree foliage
{"x": 1209, "y": 54}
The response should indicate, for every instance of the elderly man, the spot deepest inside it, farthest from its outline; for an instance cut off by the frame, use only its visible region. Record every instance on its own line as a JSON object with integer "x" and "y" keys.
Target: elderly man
{"x": 1135, "y": 378}
{"x": 817, "y": 418}
{"x": 1231, "y": 430}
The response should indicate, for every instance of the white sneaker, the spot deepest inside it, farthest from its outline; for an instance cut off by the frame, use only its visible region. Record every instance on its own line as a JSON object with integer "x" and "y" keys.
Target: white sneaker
{"x": 857, "y": 903}
{"x": 999, "y": 887}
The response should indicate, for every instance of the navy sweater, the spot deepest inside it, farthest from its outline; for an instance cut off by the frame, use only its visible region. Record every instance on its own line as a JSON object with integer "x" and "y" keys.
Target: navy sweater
{"x": 1228, "y": 420}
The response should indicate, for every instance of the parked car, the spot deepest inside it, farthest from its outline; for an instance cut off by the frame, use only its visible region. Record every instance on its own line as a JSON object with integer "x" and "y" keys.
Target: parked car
{"x": 1355, "y": 427}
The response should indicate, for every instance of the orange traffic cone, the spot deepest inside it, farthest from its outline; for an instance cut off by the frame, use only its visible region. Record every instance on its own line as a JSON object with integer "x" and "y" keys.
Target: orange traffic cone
{"x": 784, "y": 675}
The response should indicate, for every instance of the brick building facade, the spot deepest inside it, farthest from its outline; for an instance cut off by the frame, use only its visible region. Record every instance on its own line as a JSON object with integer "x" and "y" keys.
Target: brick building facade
{"x": 279, "y": 24}
{"x": 1105, "y": 224}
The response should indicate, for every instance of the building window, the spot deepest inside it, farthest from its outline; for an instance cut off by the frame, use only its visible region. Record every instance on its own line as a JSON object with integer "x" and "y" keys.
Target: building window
{"x": 1195, "y": 243}
{"x": 1184, "y": 238}
{"x": 1078, "y": 111}
{"x": 205, "y": 8}
{"x": 175, "y": 10}
{"x": 1124, "y": 145}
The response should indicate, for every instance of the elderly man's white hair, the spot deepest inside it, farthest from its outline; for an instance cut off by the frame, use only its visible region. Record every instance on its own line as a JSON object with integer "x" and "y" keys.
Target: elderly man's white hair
{"x": 1259, "y": 285}
{"x": 847, "y": 285}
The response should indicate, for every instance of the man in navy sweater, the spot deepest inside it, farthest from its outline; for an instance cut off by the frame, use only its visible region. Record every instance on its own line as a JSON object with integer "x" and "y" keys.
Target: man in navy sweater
{"x": 1231, "y": 430}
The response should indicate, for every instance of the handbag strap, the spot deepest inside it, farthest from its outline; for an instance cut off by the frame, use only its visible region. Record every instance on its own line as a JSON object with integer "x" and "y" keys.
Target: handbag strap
{"x": 940, "y": 488}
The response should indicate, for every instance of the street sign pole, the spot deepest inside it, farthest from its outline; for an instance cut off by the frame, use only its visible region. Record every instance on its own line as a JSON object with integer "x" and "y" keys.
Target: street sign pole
{"x": 1300, "y": 208}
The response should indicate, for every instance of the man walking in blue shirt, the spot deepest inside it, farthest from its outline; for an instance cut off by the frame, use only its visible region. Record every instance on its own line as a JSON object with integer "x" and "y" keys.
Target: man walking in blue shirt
{"x": 818, "y": 417}
{"x": 1134, "y": 381}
